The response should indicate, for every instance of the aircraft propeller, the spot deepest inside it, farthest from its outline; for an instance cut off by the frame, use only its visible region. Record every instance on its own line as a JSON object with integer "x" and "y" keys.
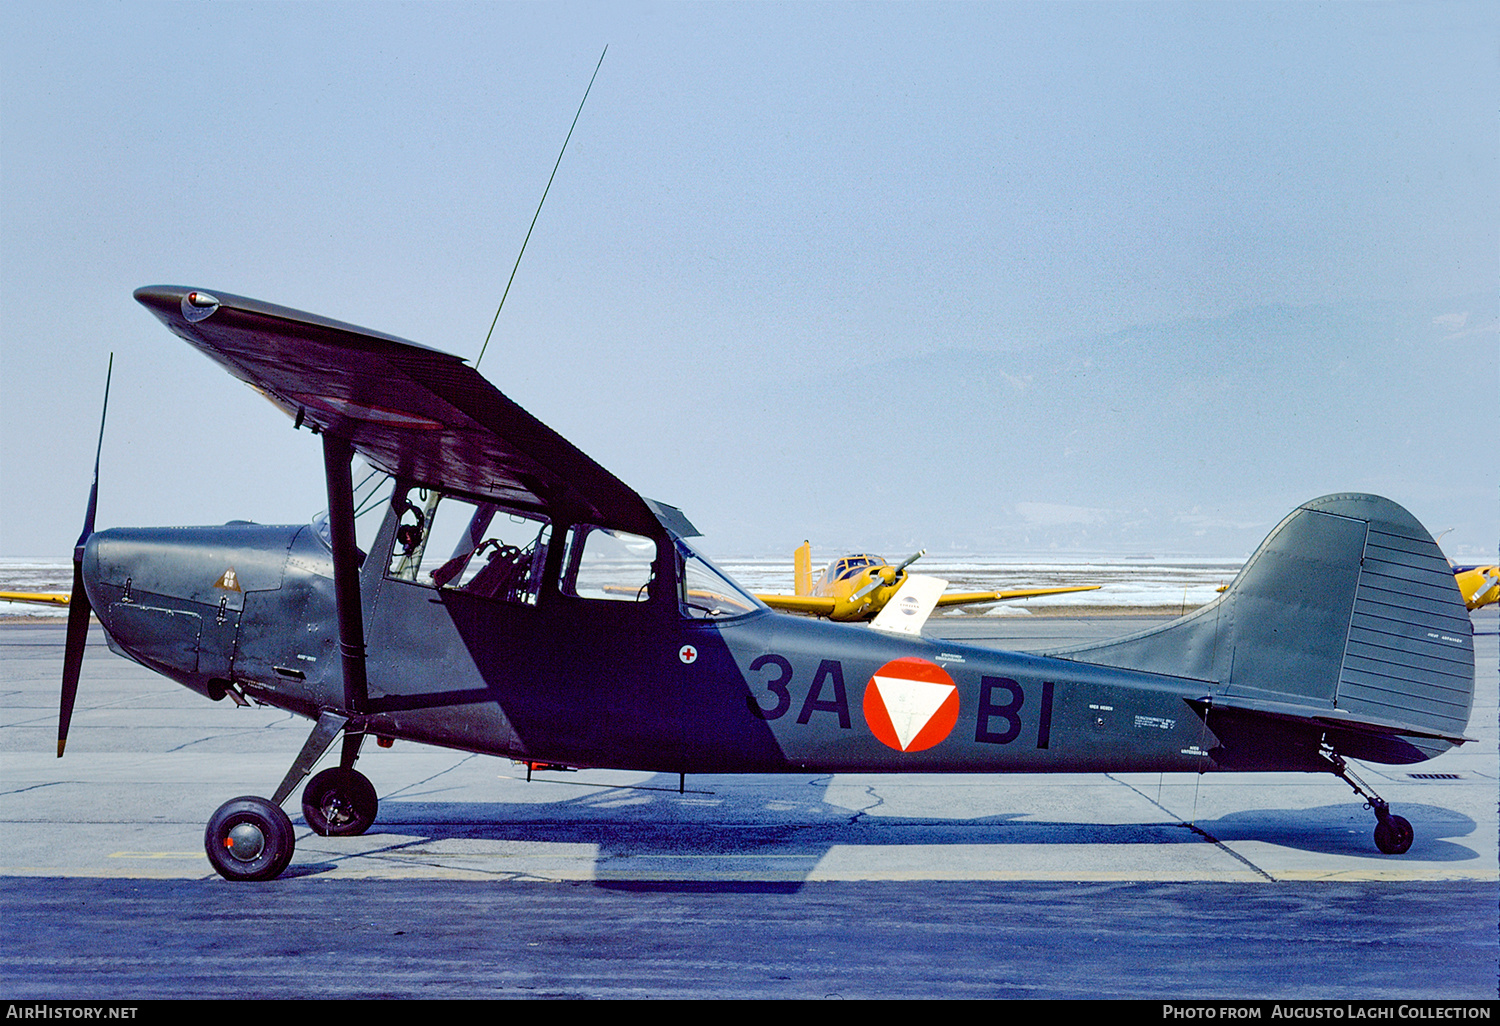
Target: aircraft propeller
{"x": 78, "y": 603}
{"x": 879, "y": 579}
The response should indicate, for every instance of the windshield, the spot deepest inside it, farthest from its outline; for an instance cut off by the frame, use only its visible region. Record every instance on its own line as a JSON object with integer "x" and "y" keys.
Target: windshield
{"x": 372, "y": 490}
{"x": 709, "y": 593}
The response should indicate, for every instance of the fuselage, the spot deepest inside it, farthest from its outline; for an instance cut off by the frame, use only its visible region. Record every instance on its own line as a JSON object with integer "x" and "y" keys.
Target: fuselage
{"x": 249, "y": 610}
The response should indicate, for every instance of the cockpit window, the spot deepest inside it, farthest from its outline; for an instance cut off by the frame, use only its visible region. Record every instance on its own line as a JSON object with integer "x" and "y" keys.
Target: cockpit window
{"x": 500, "y": 556}
{"x": 707, "y": 592}
{"x": 848, "y": 566}
{"x": 602, "y": 563}
{"x": 371, "y": 490}
{"x": 495, "y": 553}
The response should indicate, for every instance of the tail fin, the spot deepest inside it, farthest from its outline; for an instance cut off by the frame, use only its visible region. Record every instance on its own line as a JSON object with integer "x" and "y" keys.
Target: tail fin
{"x": 1347, "y": 615}
{"x": 802, "y": 567}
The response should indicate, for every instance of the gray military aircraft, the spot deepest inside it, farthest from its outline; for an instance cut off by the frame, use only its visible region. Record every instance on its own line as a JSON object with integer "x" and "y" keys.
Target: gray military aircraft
{"x": 572, "y": 623}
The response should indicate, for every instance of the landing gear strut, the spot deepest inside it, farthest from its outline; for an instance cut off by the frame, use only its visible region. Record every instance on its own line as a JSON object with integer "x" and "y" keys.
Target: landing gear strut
{"x": 251, "y": 838}
{"x": 1393, "y": 834}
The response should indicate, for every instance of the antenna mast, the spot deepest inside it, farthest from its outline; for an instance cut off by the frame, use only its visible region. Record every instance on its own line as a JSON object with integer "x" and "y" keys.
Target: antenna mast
{"x": 538, "y": 213}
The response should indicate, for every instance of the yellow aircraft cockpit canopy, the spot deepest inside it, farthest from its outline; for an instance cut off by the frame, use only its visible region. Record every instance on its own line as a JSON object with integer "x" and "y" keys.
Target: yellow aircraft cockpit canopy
{"x": 848, "y": 566}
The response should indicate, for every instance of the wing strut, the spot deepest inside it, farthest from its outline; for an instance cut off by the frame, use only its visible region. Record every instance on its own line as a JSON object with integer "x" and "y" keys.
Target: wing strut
{"x": 337, "y": 456}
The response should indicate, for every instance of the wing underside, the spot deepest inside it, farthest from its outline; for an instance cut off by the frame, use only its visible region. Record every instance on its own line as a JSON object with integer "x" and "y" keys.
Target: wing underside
{"x": 417, "y": 413}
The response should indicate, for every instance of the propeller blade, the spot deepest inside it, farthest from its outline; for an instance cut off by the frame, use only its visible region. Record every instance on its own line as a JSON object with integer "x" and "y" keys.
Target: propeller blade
{"x": 878, "y": 580}
{"x": 909, "y": 560}
{"x": 78, "y": 636}
{"x": 881, "y": 579}
{"x": 79, "y": 609}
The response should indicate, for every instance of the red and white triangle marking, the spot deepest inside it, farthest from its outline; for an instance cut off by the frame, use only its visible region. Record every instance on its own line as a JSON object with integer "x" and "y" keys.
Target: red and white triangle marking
{"x": 911, "y": 704}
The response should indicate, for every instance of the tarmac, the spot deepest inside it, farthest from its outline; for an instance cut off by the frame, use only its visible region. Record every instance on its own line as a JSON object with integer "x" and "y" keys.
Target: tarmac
{"x": 1271, "y": 859}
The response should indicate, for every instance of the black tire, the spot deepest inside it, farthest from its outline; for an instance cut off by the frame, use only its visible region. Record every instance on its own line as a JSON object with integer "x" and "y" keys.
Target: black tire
{"x": 1393, "y": 835}
{"x": 249, "y": 839}
{"x": 339, "y": 803}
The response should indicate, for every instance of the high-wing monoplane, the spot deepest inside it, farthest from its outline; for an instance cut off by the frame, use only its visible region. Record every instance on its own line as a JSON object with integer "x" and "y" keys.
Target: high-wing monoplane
{"x": 859, "y": 586}
{"x": 573, "y": 623}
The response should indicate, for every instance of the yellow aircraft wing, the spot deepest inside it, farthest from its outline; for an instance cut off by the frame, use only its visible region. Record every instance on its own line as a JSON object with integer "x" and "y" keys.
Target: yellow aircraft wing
{"x": 39, "y": 597}
{"x": 815, "y": 605}
{"x": 962, "y": 598}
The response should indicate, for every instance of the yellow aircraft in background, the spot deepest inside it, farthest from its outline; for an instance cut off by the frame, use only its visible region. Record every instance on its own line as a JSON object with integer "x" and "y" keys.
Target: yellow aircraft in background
{"x": 1479, "y": 584}
{"x": 858, "y": 587}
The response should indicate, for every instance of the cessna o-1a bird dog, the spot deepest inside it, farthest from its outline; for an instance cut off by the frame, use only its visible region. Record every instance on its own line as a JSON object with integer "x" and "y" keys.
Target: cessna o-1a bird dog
{"x": 574, "y": 625}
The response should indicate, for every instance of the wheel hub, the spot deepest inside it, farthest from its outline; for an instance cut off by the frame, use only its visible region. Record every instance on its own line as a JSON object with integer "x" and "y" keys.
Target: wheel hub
{"x": 337, "y": 810}
{"x": 245, "y": 841}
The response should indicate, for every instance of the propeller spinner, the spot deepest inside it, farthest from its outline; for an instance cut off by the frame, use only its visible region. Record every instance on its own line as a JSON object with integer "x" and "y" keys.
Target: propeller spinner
{"x": 881, "y": 579}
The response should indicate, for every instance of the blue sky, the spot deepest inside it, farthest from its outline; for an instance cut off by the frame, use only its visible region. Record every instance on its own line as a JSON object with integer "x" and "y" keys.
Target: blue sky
{"x": 776, "y": 229}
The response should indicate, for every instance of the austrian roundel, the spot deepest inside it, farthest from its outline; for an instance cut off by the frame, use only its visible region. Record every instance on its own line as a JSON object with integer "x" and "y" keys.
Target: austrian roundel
{"x": 911, "y": 704}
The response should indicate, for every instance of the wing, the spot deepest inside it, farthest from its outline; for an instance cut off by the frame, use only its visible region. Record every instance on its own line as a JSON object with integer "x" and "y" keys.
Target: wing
{"x": 799, "y": 604}
{"x": 38, "y": 597}
{"x": 965, "y": 597}
{"x": 418, "y": 413}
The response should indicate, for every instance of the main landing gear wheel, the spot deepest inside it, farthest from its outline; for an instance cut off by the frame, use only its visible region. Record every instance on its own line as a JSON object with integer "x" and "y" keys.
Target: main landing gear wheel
{"x": 1393, "y": 834}
{"x": 339, "y": 803}
{"x": 249, "y": 839}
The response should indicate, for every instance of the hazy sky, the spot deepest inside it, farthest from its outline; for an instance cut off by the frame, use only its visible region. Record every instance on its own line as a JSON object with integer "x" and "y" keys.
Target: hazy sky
{"x": 776, "y": 229}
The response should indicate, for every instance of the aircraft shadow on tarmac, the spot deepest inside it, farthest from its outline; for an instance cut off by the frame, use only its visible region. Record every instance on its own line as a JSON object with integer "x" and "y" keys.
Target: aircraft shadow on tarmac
{"x": 649, "y": 835}
{"x": 1315, "y": 830}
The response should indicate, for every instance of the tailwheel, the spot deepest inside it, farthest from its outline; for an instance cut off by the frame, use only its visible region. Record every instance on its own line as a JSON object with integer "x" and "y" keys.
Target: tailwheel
{"x": 339, "y": 803}
{"x": 1393, "y": 834}
{"x": 249, "y": 839}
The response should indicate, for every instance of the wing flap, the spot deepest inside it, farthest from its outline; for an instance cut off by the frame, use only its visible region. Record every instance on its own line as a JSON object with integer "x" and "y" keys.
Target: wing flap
{"x": 909, "y": 608}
